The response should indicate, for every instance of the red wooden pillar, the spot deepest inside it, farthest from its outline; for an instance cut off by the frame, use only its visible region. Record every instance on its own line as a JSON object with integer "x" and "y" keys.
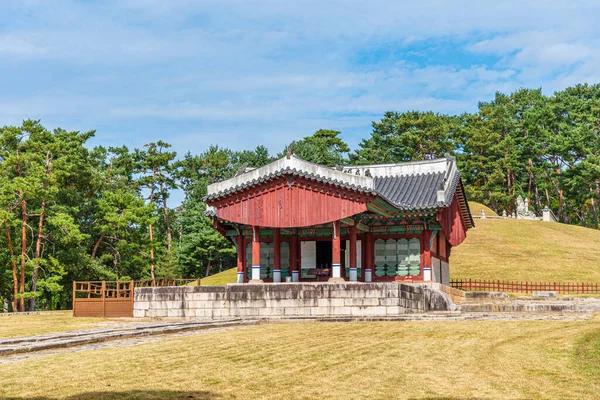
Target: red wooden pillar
{"x": 276, "y": 255}
{"x": 255, "y": 253}
{"x": 353, "y": 268}
{"x": 425, "y": 256}
{"x": 294, "y": 259}
{"x": 241, "y": 252}
{"x": 336, "y": 250}
{"x": 369, "y": 258}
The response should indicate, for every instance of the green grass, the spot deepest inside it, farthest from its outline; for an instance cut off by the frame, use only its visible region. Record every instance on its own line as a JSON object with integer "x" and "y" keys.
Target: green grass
{"x": 588, "y": 352}
{"x": 375, "y": 360}
{"x": 220, "y": 279}
{"x": 476, "y": 208}
{"x": 528, "y": 251}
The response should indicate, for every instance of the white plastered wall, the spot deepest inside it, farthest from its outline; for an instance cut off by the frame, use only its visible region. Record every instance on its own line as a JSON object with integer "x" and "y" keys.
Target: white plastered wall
{"x": 358, "y": 254}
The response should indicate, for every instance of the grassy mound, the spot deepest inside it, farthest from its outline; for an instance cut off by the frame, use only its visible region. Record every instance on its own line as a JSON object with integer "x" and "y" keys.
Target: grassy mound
{"x": 477, "y": 207}
{"x": 508, "y": 249}
{"x": 220, "y": 279}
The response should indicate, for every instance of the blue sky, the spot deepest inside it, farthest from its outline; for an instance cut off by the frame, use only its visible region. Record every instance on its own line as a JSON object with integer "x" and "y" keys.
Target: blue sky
{"x": 243, "y": 73}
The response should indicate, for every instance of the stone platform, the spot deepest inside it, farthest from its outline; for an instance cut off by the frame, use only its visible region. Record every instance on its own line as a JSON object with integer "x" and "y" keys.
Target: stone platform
{"x": 293, "y": 300}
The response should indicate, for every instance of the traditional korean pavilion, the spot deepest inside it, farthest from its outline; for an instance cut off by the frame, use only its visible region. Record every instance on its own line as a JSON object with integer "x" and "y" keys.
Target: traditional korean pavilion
{"x": 293, "y": 220}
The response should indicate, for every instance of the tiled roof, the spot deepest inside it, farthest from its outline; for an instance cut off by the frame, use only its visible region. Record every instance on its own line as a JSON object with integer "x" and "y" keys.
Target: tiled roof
{"x": 411, "y": 191}
{"x": 418, "y": 185}
{"x": 295, "y": 172}
{"x": 295, "y": 166}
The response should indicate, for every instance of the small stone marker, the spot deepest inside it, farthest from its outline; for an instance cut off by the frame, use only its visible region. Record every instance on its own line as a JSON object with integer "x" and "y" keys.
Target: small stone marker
{"x": 545, "y": 294}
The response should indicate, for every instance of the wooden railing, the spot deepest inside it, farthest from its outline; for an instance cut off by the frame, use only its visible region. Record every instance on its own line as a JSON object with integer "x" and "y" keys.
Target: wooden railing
{"x": 477, "y": 285}
{"x": 113, "y": 298}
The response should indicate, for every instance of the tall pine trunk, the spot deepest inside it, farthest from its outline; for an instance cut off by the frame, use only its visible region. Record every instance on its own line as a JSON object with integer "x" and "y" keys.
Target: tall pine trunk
{"x": 594, "y": 213}
{"x": 14, "y": 267}
{"x": 97, "y": 245}
{"x": 150, "y": 231}
{"x": 167, "y": 219}
{"x": 38, "y": 255}
{"x": 207, "y": 269}
{"x": 40, "y": 235}
{"x": 23, "y": 248}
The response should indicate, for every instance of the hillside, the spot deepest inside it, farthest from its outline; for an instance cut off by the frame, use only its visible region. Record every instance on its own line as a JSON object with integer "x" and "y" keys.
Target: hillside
{"x": 508, "y": 249}
{"x": 477, "y": 207}
{"x": 220, "y": 279}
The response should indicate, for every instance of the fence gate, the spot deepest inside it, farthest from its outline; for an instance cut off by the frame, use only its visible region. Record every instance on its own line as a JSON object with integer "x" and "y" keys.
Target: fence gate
{"x": 108, "y": 299}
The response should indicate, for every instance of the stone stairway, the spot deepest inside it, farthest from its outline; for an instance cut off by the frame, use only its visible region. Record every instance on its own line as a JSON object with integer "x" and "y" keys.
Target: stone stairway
{"x": 497, "y": 302}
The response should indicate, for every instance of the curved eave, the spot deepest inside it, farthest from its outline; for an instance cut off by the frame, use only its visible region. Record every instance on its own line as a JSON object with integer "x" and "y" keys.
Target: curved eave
{"x": 291, "y": 172}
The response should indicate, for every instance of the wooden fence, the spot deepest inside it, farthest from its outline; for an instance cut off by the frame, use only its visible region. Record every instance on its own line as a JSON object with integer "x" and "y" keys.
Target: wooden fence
{"x": 113, "y": 299}
{"x": 476, "y": 285}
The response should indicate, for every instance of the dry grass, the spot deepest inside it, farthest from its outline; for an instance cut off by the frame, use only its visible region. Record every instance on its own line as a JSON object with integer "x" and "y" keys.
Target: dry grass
{"x": 220, "y": 279}
{"x": 38, "y": 324}
{"x": 528, "y": 250}
{"x": 476, "y": 208}
{"x": 485, "y": 359}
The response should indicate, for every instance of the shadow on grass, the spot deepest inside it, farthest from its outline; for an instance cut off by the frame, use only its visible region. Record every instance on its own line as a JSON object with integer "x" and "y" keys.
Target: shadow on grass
{"x": 133, "y": 394}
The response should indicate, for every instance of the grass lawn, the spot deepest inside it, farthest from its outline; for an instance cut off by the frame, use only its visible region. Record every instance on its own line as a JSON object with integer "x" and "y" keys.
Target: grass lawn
{"x": 220, "y": 279}
{"x": 528, "y": 250}
{"x": 476, "y": 208}
{"x": 38, "y": 324}
{"x": 381, "y": 360}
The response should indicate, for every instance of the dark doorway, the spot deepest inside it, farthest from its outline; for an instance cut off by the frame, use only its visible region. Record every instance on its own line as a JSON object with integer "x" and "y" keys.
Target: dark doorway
{"x": 323, "y": 254}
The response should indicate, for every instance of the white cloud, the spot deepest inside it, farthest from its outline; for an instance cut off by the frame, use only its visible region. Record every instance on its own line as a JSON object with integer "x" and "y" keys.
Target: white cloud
{"x": 245, "y": 72}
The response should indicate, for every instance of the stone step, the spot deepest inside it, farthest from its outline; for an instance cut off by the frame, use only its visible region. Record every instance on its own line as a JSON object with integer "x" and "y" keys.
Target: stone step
{"x": 534, "y": 306}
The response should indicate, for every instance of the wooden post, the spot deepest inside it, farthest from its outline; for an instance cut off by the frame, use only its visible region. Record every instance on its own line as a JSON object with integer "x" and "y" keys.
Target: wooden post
{"x": 353, "y": 268}
{"x": 240, "y": 258}
{"x": 131, "y": 295}
{"x": 256, "y": 253}
{"x": 369, "y": 258}
{"x": 103, "y": 298}
{"x": 425, "y": 256}
{"x": 276, "y": 255}
{"x": 294, "y": 258}
{"x": 336, "y": 249}
{"x": 74, "y": 297}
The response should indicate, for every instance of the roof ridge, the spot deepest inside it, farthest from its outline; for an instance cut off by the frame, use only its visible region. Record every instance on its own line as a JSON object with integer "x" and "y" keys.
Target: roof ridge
{"x": 434, "y": 160}
{"x": 417, "y": 174}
